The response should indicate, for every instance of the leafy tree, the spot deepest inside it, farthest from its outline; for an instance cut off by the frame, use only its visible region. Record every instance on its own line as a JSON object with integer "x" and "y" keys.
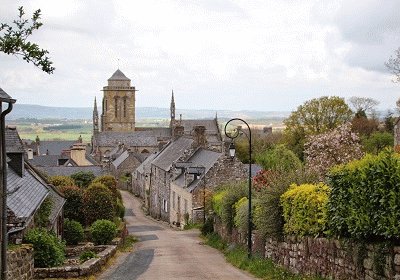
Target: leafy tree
{"x": 331, "y": 148}
{"x": 315, "y": 116}
{"x": 362, "y": 125}
{"x": 83, "y": 179}
{"x": 389, "y": 122}
{"x": 110, "y": 182}
{"x": 393, "y": 64}
{"x": 98, "y": 203}
{"x": 377, "y": 142}
{"x": 13, "y": 41}
{"x": 279, "y": 158}
{"x": 74, "y": 205}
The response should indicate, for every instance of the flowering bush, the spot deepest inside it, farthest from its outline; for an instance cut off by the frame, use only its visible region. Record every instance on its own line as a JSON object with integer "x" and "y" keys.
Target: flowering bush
{"x": 304, "y": 209}
{"x": 262, "y": 179}
{"x": 331, "y": 148}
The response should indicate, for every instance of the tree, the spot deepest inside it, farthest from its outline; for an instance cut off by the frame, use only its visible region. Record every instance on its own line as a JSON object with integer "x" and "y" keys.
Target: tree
{"x": 377, "y": 142}
{"x": 363, "y": 105}
{"x": 389, "y": 122}
{"x": 315, "y": 116}
{"x": 83, "y": 179}
{"x": 331, "y": 148}
{"x": 279, "y": 159}
{"x": 393, "y": 64}
{"x": 13, "y": 41}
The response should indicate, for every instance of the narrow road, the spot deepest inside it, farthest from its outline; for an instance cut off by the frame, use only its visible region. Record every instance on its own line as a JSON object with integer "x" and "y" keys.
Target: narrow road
{"x": 165, "y": 253}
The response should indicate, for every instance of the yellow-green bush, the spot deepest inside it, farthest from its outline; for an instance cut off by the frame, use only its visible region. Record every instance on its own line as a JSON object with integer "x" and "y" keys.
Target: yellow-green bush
{"x": 305, "y": 209}
{"x": 241, "y": 214}
{"x": 217, "y": 202}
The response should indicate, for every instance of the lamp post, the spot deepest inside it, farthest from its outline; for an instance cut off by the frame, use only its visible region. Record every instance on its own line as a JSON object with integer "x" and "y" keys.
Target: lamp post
{"x": 232, "y": 155}
{"x": 4, "y": 97}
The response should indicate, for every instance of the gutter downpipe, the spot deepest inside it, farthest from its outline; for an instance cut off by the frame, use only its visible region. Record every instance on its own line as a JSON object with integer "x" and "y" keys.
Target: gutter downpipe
{"x": 3, "y": 191}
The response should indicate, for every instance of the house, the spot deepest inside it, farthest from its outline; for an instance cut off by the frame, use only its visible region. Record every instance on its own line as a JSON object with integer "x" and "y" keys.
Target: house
{"x": 196, "y": 178}
{"x": 141, "y": 179}
{"x": 26, "y": 192}
{"x": 123, "y": 165}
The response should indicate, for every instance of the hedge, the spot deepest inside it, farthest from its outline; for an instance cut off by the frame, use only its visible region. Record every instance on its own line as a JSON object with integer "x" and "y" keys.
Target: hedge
{"x": 305, "y": 209}
{"x": 73, "y": 206}
{"x": 98, "y": 203}
{"x": 365, "y": 198}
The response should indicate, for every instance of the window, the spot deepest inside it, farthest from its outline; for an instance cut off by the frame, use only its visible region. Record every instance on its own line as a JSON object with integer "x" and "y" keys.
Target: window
{"x": 173, "y": 200}
{"x": 124, "y": 107}
{"x": 116, "y": 106}
{"x": 165, "y": 206}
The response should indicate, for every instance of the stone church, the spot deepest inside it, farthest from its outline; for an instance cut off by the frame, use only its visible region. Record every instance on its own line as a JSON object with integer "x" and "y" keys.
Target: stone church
{"x": 117, "y": 131}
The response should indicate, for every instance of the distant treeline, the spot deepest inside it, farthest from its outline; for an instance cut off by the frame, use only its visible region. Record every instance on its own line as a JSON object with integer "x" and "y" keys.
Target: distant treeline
{"x": 62, "y": 127}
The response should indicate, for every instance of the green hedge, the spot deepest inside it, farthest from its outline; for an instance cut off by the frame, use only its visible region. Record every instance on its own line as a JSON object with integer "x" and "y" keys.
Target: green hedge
{"x": 103, "y": 231}
{"x": 98, "y": 203}
{"x": 304, "y": 209}
{"x": 365, "y": 198}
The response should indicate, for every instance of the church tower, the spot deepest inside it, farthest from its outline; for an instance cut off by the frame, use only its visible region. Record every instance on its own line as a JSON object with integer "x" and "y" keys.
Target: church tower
{"x": 118, "y": 112}
{"x": 172, "y": 110}
{"x": 95, "y": 118}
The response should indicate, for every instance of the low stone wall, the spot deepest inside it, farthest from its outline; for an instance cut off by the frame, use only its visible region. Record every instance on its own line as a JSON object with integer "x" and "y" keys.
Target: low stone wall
{"x": 20, "y": 263}
{"x": 336, "y": 259}
{"x": 87, "y": 268}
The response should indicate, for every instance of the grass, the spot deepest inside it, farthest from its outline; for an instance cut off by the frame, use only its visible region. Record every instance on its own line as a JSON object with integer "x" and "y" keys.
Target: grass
{"x": 191, "y": 226}
{"x": 257, "y": 266}
{"x": 127, "y": 246}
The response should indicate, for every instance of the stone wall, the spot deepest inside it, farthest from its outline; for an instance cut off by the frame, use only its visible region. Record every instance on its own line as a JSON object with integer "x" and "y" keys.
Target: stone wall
{"x": 336, "y": 259}
{"x": 20, "y": 263}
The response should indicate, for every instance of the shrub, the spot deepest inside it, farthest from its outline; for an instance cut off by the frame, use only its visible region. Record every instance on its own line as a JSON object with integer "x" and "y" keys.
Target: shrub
{"x": 208, "y": 226}
{"x": 103, "y": 231}
{"x": 377, "y": 142}
{"x": 241, "y": 214}
{"x": 73, "y": 232}
{"x": 233, "y": 194}
{"x": 268, "y": 214}
{"x": 120, "y": 209}
{"x": 83, "y": 179}
{"x": 217, "y": 200}
{"x": 42, "y": 215}
{"x": 61, "y": 181}
{"x": 87, "y": 255}
{"x": 279, "y": 158}
{"x": 98, "y": 203}
{"x": 73, "y": 208}
{"x": 110, "y": 182}
{"x": 48, "y": 250}
{"x": 365, "y": 197}
{"x": 304, "y": 209}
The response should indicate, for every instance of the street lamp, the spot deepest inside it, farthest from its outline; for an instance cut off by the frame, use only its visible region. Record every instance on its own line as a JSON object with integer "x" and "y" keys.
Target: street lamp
{"x": 232, "y": 155}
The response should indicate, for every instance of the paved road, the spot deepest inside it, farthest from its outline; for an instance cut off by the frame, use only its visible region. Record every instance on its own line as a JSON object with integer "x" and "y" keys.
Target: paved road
{"x": 165, "y": 253}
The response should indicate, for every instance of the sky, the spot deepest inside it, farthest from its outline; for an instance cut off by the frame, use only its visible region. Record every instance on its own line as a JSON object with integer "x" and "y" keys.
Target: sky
{"x": 267, "y": 55}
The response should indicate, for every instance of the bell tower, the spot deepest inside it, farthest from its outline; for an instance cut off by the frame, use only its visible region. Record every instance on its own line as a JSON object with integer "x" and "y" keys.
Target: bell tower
{"x": 118, "y": 106}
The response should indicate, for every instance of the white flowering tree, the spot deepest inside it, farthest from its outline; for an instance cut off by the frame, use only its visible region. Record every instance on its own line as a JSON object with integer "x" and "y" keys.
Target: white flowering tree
{"x": 337, "y": 146}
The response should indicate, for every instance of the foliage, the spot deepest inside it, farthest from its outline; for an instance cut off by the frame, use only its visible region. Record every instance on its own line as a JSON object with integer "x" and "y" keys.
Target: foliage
{"x": 304, "y": 209}
{"x": 61, "y": 181}
{"x": 233, "y": 193}
{"x": 73, "y": 232}
{"x": 217, "y": 200}
{"x": 241, "y": 214}
{"x": 278, "y": 158}
{"x": 389, "y": 122}
{"x": 42, "y": 215}
{"x": 377, "y": 142}
{"x": 268, "y": 214}
{"x": 13, "y": 41}
{"x": 120, "y": 209}
{"x": 328, "y": 149}
{"x": 208, "y": 226}
{"x": 364, "y": 126}
{"x": 363, "y": 105}
{"x": 103, "y": 231}
{"x": 393, "y": 64}
{"x": 127, "y": 245}
{"x": 365, "y": 197}
{"x": 48, "y": 250}
{"x": 87, "y": 255}
{"x": 73, "y": 207}
{"x": 262, "y": 179}
{"x": 110, "y": 182}
{"x": 98, "y": 203}
{"x": 315, "y": 116}
{"x": 83, "y": 179}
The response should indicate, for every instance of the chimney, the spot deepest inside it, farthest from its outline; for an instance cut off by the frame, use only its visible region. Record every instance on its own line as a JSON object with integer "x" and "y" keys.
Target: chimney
{"x": 16, "y": 162}
{"x": 178, "y": 131}
{"x": 78, "y": 154}
{"x": 30, "y": 154}
{"x": 200, "y": 139}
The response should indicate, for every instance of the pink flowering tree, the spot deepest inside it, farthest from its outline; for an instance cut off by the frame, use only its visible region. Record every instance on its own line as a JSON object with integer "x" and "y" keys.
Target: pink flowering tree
{"x": 337, "y": 146}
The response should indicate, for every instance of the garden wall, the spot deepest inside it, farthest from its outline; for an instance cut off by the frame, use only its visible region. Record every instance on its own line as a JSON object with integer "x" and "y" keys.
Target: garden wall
{"x": 20, "y": 263}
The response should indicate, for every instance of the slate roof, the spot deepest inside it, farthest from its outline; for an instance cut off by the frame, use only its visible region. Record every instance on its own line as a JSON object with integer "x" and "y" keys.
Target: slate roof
{"x": 137, "y": 138}
{"x": 146, "y": 164}
{"x": 13, "y": 141}
{"x": 4, "y": 96}
{"x": 122, "y": 157}
{"x": 210, "y": 125}
{"x": 50, "y": 160}
{"x": 201, "y": 158}
{"x": 25, "y": 194}
{"x": 118, "y": 76}
{"x": 172, "y": 152}
{"x": 55, "y": 147}
{"x": 69, "y": 170}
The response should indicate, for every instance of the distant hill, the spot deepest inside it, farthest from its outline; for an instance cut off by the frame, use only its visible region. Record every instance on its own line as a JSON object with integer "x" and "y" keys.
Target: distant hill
{"x": 45, "y": 112}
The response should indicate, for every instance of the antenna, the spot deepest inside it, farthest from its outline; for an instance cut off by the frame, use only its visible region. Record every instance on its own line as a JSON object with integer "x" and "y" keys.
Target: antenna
{"x": 118, "y": 63}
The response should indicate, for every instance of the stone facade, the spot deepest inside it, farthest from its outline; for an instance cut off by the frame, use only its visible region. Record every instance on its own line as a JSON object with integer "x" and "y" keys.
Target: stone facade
{"x": 20, "y": 263}
{"x": 118, "y": 104}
